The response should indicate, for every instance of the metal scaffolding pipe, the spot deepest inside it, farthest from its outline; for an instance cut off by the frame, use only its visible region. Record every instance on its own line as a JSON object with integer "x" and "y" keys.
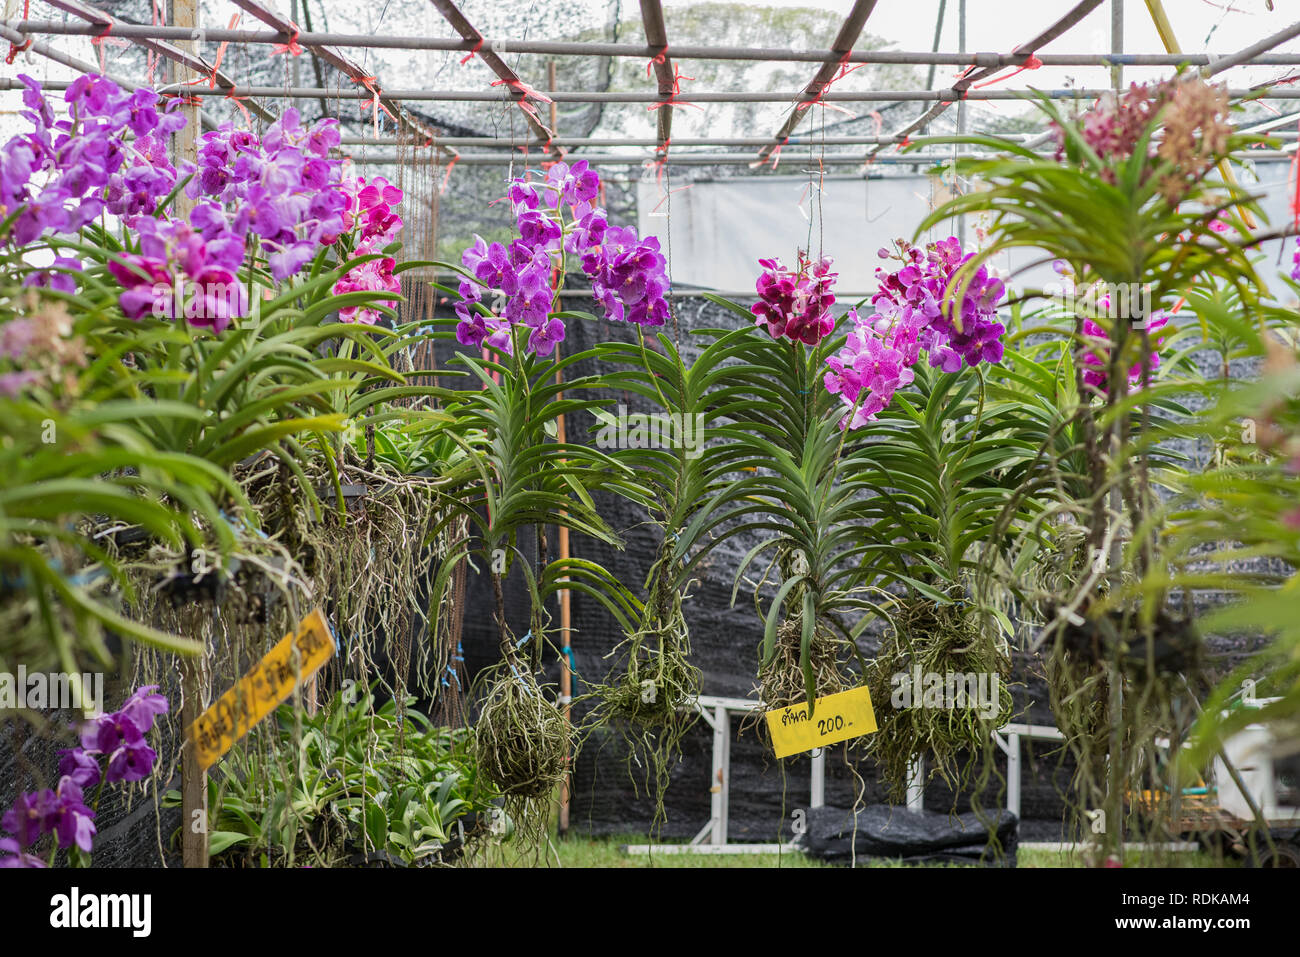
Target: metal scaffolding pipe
{"x": 345, "y": 65}
{"x": 816, "y": 89}
{"x": 573, "y": 142}
{"x": 641, "y": 51}
{"x": 741, "y": 159}
{"x": 570, "y": 142}
{"x": 964, "y": 84}
{"x": 1219, "y": 64}
{"x": 82, "y": 66}
{"x": 490, "y": 96}
{"x": 101, "y": 22}
{"x": 521, "y": 91}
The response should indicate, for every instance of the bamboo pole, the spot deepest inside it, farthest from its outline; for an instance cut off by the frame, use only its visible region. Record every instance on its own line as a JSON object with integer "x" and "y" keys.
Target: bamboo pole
{"x": 815, "y": 91}
{"x": 194, "y": 690}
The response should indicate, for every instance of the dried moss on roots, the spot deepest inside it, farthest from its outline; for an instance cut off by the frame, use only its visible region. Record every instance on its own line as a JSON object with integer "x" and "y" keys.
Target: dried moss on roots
{"x": 781, "y": 681}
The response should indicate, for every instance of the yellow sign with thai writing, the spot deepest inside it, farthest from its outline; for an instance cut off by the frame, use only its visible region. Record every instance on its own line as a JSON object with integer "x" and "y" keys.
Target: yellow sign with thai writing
{"x": 836, "y": 718}
{"x": 296, "y": 657}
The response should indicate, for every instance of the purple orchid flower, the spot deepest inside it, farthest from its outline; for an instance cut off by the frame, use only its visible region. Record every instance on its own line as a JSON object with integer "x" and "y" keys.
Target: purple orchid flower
{"x": 69, "y": 819}
{"x": 18, "y": 858}
{"x": 26, "y": 819}
{"x": 79, "y": 767}
{"x": 108, "y": 732}
{"x": 130, "y": 763}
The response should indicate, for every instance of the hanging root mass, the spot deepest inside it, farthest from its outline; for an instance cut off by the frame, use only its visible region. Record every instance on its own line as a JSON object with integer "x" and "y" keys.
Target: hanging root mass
{"x": 1157, "y": 666}
{"x": 523, "y": 740}
{"x": 367, "y": 565}
{"x": 651, "y": 701}
{"x": 523, "y": 743}
{"x": 658, "y": 679}
{"x": 935, "y": 718}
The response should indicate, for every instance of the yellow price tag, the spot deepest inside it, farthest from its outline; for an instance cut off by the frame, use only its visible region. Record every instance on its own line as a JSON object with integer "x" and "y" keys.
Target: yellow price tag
{"x": 836, "y": 718}
{"x": 262, "y": 689}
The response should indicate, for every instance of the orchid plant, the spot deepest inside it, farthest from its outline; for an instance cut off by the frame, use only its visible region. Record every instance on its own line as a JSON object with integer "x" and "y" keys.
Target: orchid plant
{"x": 509, "y": 308}
{"x": 812, "y": 489}
{"x": 61, "y": 812}
{"x": 155, "y": 348}
{"x": 1120, "y": 207}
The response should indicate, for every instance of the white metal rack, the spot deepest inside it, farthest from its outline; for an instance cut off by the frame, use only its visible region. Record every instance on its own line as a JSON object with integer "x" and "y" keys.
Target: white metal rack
{"x": 717, "y": 713}
{"x": 712, "y": 838}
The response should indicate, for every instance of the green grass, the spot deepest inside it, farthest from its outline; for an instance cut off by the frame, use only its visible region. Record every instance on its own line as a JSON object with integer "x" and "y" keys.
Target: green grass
{"x": 1044, "y": 858}
{"x": 582, "y": 851}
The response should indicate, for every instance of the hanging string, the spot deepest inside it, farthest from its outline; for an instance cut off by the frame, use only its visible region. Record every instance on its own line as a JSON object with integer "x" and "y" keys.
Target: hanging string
{"x": 373, "y": 103}
{"x": 774, "y": 157}
{"x": 446, "y": 177}
{"x": 157, "y": 19}
{"x": 469, "y": 56}
{"x": 239, "y": 102}
{"x": 821, "y": 182}
{"x": 659, "y": 59}
{"x": 97, "y": 42}
{"x": 290, "y": 47}
{"x": 17, "y": 48}
{"x": 673, "y": 98}
{"x": 659, "y": 165}
{"x": 1033, "y": 63}
{"x": 216, "y": 63}
{"x": 819, "y": 98}
{"x": 668, "y": 229}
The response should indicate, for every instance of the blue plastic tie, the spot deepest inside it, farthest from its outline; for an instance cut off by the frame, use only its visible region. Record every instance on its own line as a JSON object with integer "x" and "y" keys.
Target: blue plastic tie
{"x": 85, "y": 578}
{"x": 244, "y": 523}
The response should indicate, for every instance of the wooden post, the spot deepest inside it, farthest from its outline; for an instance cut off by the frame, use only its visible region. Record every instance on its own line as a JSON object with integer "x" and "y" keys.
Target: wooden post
{"x": 194, "y": 780}
{"x": 550, "y": 79}
{"x": 185, "y": 13}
